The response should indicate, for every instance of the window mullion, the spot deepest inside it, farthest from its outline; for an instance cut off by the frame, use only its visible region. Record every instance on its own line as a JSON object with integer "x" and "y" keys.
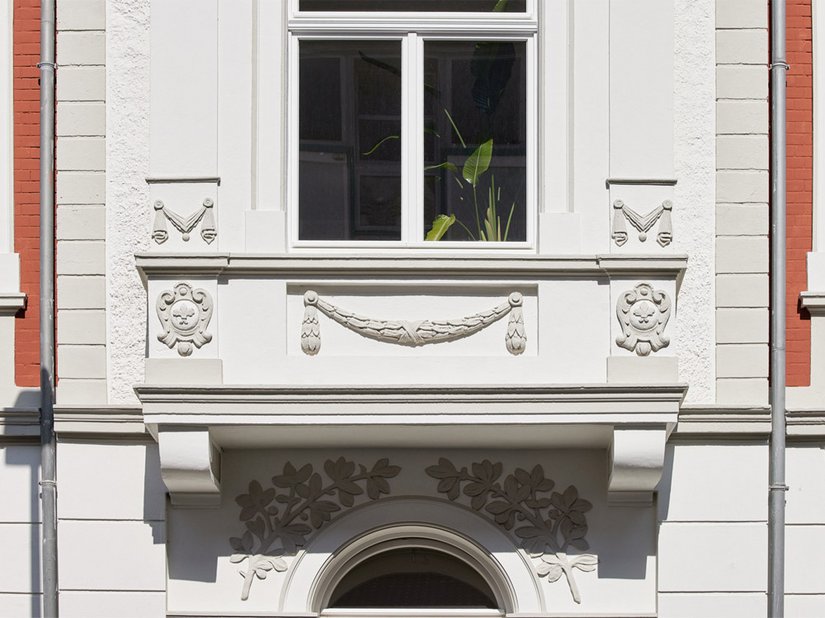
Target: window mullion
{"x": 412, "y": 139}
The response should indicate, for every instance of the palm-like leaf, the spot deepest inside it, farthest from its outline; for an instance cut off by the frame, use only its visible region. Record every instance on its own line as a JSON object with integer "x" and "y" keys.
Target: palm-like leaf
{"x": 478, "y": 162}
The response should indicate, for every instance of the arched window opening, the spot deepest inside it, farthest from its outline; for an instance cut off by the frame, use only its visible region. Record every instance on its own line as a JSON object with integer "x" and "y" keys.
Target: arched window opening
{"x": 413, "y": 577}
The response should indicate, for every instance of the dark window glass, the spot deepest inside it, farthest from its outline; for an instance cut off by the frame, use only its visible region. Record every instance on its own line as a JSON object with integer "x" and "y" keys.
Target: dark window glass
{"x": 475, "y": 139}
{"x": 413, "y": 577}
{"x": 441, "y": 6}
{"x": 350, "y": 140}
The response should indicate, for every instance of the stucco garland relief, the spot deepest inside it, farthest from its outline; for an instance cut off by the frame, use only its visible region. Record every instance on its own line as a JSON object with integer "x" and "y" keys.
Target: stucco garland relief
{"x": 184, "y": 314}
{"x": 203, "y": 215}
{"x": 643, "y": 313}
{"x": 413, "y": 334}
{"x": 276, "y": 518}
{"x": 548, "y": 524}
{"x": 643, "y": 223}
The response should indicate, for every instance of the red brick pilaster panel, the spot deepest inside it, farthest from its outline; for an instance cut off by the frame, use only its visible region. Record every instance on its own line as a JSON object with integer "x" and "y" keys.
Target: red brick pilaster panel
{"x": 26, "y": 52}
{"x": 800, "y": 186}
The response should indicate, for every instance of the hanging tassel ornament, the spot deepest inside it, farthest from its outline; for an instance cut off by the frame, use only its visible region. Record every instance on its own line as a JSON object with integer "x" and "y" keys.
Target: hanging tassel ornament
{"x": 208, "y": 231}
{"x": 619, "y": 226}
{"x": 310, "y": 328}
{"x": 516, "y": 338}
{"x": 665, "y": 235}
{"x": 159, "y": 232}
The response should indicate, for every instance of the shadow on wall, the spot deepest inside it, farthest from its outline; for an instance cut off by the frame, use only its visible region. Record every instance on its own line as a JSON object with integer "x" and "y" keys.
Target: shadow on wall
{"x": 24, "y": 452}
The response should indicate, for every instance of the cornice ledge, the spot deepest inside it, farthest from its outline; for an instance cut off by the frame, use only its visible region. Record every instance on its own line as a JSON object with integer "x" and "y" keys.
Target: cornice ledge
{"x": 674, "y": 265}
{"x": 11, "y": 302}
{"x": 598, "y": 392}
{"x": 396, "y": 406}
{"x": 814, "y": 302}
{"x": 19, "y": 423}
{"x": 174, "y": 263}
{"x": 723, "y": 420}
{"x": 105, "y": 419}
{"x": 806, "y": 422}
{"x": 406, "y": 264}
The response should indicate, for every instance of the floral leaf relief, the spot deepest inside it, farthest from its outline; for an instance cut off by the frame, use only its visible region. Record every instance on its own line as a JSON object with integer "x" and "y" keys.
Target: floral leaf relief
{"x": 278, "y": 519}
{"x": 547, "y": 522}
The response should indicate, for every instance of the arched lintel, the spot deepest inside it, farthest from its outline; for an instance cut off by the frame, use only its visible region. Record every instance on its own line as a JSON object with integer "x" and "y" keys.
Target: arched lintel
{"x": 348, "y": 540}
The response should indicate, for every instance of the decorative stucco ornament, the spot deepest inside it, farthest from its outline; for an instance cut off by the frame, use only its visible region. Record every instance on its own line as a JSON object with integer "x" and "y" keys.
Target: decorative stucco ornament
{"x": 643, "y": 313}
{"x": 275, "y": 517}
{"x": 642, "y": 223}
{"x": 412, "y": 334}
{"x": 184, "y": 314}
{"x": 204, "y": 215}
{"x": 548, "y": 524}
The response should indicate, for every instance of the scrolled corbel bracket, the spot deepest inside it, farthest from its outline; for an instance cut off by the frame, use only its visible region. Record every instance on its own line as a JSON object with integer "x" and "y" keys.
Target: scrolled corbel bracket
{"x": 636, "y": 460}
{"x": 190, "y": 465}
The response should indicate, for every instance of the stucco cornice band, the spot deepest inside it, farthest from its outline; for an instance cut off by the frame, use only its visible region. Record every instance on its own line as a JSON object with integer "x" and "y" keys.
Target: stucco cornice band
{"x": 409, "y": 404}
{"x": 11, "y": 303}
{"x": 814, "y": 302}
{"x": 452, "y": 265}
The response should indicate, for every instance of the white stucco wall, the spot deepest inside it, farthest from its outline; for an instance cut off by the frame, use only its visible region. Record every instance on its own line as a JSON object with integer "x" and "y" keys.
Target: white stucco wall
{"x": 127, "y": 195}
{"x": 20, "y": 584}
{"x": 694, "y": 203}
{"x": 128, "y": 96}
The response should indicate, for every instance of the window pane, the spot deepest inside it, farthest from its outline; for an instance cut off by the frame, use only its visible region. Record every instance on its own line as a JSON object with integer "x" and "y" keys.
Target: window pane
{"x": 413, "y": 577}
{"x": 475, "y": 138}
{"x": 441, "y": 6}
{"x": 350, "y": 140}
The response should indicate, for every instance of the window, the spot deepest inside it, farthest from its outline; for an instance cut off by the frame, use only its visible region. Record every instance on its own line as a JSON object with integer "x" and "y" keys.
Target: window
{"x": 412, "y": 122}
{"x": 413, "y": 577}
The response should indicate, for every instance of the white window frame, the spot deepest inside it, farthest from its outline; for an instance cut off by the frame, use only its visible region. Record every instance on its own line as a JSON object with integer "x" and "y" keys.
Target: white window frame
{"x": 413, "y": 29}
{"x": 389, "y": 538}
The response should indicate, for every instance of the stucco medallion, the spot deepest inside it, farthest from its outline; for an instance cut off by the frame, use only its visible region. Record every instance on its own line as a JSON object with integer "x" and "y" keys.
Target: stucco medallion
{"x": 184, "y": 314}
{"x": 278, "y": 519}
{"x": 643, "y": 314}
{"x": 548, "y": 524}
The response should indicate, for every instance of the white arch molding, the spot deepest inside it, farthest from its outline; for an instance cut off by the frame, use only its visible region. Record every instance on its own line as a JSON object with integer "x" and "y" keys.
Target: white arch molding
{"x": 424, "y": 522}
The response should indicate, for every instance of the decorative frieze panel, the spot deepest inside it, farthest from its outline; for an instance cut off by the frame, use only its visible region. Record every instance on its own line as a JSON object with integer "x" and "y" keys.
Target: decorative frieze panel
{"x": 184, "y": 314}
{"x": 643, "y": 314}
{"x": 412, "y": 333}
{"x": 548, "y": 524}
{"x": 279, "y": 519}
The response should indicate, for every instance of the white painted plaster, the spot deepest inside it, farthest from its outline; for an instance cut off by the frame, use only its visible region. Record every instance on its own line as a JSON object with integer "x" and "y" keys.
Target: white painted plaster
{"x": 202, "y": 578}
{"x": 19, "y": 474}
{"x": 127, "y": 195}
{"x": 694, "y": 195}
{"x": 144, "y": 543}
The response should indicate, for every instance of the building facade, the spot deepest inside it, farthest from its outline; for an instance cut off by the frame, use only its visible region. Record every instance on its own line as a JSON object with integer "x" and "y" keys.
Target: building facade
{"x": 460, "y": 309}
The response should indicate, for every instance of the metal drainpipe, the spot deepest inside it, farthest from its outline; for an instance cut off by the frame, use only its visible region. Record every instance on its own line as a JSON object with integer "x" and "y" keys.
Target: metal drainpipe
{"x": 48, "y": 487}
{"x": 777, "y": 487}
